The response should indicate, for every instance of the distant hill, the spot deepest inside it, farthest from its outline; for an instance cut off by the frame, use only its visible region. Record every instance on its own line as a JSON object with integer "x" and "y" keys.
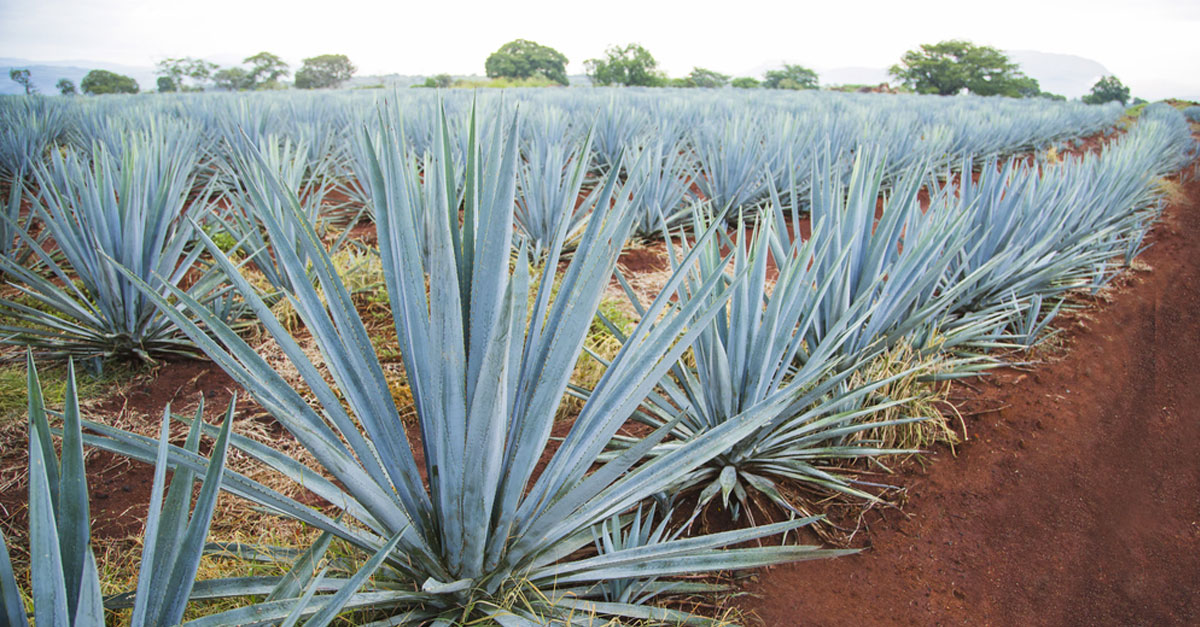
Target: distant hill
{"x": 1064, "y": 74}
{"x": 855, "y": 76}
{"x": 45, "y": 74}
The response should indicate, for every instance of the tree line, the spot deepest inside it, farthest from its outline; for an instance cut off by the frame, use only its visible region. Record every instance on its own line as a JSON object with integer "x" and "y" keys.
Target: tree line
{"x": 945, "y": 68}
{"x": 256, "y": 72}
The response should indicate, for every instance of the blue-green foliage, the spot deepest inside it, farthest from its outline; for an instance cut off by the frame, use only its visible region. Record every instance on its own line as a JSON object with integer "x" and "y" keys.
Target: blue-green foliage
{"x": 492, "y": 522}
{"x": 105, "y": 210}
{"x": 65, "y": 579}
{"x": 487, "y": 375}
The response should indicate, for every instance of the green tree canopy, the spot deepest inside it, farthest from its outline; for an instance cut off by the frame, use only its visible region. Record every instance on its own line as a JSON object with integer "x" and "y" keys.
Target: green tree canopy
{"x": 701, "y": 77}
{"x": 745, "y": 82}
{"x": 324, "y": 72}
{"x": 1108, "y": 89}
{"x": 166, "y": 85}
{"x": 233, "y": 79}
{"x": 790, "y": 77}
{"x": 631, "y": 65}
{"x": 948, "y": 67}
{"x": 22, "y": 78}
{"x": 523, "y": 59}
{"x": 66, "y": 87}
{"x": 105, "y": 82}
{"x": 265, "y": 69}
{"x": 177, "y": 69}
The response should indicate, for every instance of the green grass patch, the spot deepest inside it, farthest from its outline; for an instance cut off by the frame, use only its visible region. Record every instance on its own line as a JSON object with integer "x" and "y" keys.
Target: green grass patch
{"x": 13, "y": 386}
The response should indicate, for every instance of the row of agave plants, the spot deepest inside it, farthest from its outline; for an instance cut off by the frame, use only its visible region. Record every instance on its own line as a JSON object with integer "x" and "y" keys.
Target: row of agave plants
{"x": 733, "y": 146}
{"x": 688, "y": 149}
{"x": 750, "y": 387}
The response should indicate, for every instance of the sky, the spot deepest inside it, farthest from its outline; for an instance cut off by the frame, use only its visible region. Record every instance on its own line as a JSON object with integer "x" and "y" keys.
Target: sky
{"x": 1153, "y": 46}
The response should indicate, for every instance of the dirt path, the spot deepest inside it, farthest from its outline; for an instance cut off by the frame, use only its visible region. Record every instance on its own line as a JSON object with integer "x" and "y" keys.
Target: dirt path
{"x": 1076, "y": 503}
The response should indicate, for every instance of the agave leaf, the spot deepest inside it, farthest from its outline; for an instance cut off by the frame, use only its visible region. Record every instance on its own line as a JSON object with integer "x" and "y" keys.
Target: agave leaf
{"x": 49, "y": 578}
{"x": 301, "y": 574}
{"x": 181, "y": 575}
{"x": 334, "y": 605}
{"x": 10, "y": 594}
{"x": 298, "y": 610}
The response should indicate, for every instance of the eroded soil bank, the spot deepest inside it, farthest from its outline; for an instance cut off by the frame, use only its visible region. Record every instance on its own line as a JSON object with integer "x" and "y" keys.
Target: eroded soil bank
{"x": 1076, "y": 500}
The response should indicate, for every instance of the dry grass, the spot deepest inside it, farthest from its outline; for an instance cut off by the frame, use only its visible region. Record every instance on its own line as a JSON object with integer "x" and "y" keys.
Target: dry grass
{"x": 233, "y": 522}
{"x": 926, "y": 398}
{"x": 1172, "y": 190}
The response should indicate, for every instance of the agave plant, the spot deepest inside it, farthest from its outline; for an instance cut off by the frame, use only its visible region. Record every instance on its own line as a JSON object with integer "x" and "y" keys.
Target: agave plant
{"x": 733, "y": 161}
{"x": 550, "y": 184}
{"x": 616, "y": 130}
{"x": 101, "y": 211}
{"x": 857, "y": 286}
{"x": 1040, "y": 231}
{"x": 746, "y": 361}
{"x": 665, "y": 177}
{"x": 66, "y": 585}
{"x": 475, "y": 532}
{"x": 898, "y": 261}
{"x": 644, "y": 528}
{"x": 28, "y": 126}
{"x": 251, "y": 195}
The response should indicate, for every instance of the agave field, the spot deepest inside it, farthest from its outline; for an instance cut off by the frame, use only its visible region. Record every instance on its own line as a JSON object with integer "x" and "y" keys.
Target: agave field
{"x": 474, "y": 411}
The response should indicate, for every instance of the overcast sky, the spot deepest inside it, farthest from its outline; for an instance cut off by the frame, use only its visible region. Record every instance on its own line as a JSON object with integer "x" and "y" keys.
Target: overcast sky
{"x": 1152, "y": 45}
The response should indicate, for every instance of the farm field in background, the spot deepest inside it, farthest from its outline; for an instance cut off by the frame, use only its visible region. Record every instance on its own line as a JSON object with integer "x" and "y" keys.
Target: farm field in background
{"x": 520, "y": 357}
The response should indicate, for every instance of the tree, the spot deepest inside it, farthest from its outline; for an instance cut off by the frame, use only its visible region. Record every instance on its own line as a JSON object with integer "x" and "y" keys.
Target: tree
{"x": 948, "y": 67}
{"x": 708, "y": 79}
{"x": 325, "y": 71}
{"x": 1108, "y": 89}
{"x": 1027, "y": 87}
{"x": 265, "y": 69}
{"x": 631, "y": 65}
{"x": 22, "y": 78}
{"x": 790, "y": 77}
{"x": 438, "y": 81}
{"x": 66, "y": 87}
{"x": 745, "y": 82}
{"x": 199, "y": 70}
{"x": 166, "y": 85}
{"x": 233, "y": 79}
{"x": 105, "y": 82}
{"x": 521, "y": 59}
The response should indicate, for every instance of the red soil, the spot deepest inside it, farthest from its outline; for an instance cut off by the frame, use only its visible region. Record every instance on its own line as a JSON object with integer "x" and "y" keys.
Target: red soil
{"x": 1076, "y": 500}
{"x": 119, "y": 488}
